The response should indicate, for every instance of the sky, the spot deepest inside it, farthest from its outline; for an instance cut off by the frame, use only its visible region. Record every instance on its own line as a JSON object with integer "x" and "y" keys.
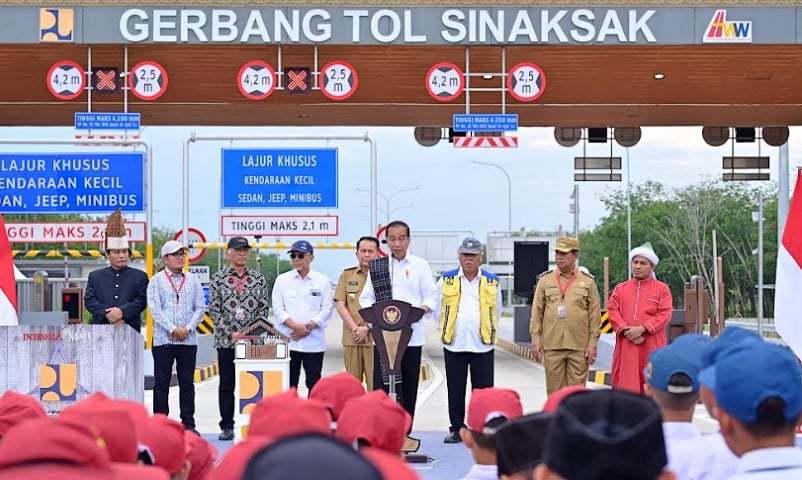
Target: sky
{"x": 453, "y": 194}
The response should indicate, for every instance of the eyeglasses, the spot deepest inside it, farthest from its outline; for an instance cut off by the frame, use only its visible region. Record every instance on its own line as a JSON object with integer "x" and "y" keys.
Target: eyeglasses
{"x": 299, "y": 256}
{"x": 179, "y": 253}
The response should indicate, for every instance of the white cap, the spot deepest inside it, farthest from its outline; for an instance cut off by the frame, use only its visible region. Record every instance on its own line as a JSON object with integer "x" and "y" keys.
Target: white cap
{"x": 172, "y": 246}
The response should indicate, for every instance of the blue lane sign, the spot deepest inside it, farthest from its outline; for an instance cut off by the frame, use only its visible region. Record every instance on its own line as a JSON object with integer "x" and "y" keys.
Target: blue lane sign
{"x": 480, "y": 122}
{"x": 106, "y": 121}
{"x": 205, "y": 295}
{"x": 279, "y": 178}
{"x": 72, "y": 182}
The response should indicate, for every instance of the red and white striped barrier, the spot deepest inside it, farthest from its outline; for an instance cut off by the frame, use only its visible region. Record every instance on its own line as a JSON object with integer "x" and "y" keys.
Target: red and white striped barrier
{"x": 104, "y": 137}
{"x": 492, "y": 142}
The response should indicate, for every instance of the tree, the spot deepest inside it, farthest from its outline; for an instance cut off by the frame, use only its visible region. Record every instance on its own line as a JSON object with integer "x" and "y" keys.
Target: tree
{"x": 680, "y": 225}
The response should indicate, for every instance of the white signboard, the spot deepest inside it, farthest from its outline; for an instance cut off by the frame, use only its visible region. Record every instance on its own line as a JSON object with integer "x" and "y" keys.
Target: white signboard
{"x": 77, "y": 232}
{"x": 204, "y": 273}
{"x": 280, "y": 225}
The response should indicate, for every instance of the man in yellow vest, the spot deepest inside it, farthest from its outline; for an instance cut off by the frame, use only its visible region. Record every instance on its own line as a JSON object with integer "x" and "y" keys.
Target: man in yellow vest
{"x": 565, "y": 319}
{"x": 468, "y": 306}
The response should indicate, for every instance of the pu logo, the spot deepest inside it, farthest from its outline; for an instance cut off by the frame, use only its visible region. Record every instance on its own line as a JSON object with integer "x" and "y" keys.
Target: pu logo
{"x": 58, "y": 382}
{"x": 56, "y": 25}
{"x": 719, "y": 30}
{"x": 256, "y": 385}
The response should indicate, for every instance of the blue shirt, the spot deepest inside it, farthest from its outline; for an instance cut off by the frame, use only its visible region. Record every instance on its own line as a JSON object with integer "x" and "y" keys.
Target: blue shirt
{"x": 125, "y": 288}
{"x": 175, "y": 301}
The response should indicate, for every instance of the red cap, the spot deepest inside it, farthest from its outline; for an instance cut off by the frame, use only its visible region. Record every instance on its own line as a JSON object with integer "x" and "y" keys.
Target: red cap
{"x": 377, "y": 419}
{"x": 553, "y": 402}
{"x": 16, "y": 408}
{"x": 65, "y": 449}
{"x": 200, "y": 454}
{"x": 236, "y": 459}
{"x": 164, "y": 438}
{"x": 115, "y": 426}
{"x": 285, "y": 414}
{"x": 392, "y": 467}
{"x": 139, "y": 414}
{"x": 336, "y": 390}
{"x": 489, "y": 403}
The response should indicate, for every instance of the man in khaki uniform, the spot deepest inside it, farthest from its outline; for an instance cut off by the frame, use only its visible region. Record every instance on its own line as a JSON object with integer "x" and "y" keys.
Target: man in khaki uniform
{"x": 356, "y": 340}
{"x": 565, "y": 319}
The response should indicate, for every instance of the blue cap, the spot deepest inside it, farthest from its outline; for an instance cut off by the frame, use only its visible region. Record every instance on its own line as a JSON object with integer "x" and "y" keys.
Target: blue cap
{"x": 668, "y": 361}
{"x": 745, "y": 377}
{"x": 301, "y": 246}
{"x": 691, "y": 346}
{"x": 728, "y": 338}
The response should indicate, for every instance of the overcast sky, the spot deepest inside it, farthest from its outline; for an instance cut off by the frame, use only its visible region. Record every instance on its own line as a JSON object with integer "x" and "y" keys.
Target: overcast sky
{"x": 454, "y": 195}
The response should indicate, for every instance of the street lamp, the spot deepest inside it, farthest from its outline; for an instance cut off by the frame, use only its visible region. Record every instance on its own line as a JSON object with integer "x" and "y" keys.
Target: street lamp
{"x": 509, "y": 191}
{"x": 388, "y": 199}
{"x": 629, "y": 216}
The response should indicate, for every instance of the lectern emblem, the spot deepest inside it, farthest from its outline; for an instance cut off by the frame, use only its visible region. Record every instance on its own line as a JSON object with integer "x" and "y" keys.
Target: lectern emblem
{"x": 391, "y": 314}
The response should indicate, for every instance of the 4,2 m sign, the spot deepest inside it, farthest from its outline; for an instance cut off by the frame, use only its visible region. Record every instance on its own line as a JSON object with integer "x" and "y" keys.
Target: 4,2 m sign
{"x": 280, "y": 225}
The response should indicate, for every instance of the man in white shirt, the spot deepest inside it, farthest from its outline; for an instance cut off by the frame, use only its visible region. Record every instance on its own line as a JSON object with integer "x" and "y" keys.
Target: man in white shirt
{"x": 672, "y": 381}
{"x": 411, "y": 280}
{"x": 302, "y": 303}
{"x": 468, "y": 308}
{"x": 759, "y": 392}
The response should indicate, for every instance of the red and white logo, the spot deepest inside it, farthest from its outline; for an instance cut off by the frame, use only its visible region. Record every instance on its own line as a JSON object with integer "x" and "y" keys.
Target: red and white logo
{"x": 721, "y": 30}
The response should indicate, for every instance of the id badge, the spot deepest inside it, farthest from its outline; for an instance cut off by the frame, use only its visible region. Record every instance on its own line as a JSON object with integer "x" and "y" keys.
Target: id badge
{"x": 561, "y": 310}
{"x": 239, "y": 314}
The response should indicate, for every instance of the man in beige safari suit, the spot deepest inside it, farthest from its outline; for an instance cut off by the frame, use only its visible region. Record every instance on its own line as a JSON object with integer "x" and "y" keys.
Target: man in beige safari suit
{"x": 565, "y": 319}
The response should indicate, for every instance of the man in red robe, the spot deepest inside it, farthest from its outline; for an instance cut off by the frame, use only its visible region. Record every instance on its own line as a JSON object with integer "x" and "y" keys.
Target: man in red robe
{"x": 640, "y": 310}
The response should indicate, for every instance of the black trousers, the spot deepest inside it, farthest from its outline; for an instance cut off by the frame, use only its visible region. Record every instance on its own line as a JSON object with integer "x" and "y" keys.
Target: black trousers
{"x": 312, "y": 363}
{"x": 225, "y": 391}
{"x": 457, "y": 365}
{"x": 407, "y": 389}
{"x": 184, "y": 357}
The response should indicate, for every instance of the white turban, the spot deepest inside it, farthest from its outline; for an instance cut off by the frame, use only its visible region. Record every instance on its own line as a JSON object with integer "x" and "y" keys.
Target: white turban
{"x": 646, "y": 252}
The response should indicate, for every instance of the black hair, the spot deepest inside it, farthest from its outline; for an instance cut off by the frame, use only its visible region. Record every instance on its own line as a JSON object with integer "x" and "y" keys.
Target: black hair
{"x": 771, "y": 420}
{"x": 398, "y": 223}
{"x": 368, "y": 238}
{"x": 677, "y": 401}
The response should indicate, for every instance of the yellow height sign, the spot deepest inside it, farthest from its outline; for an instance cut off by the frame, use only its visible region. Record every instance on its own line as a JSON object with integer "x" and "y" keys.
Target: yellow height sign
{"x": 606, "y": 326}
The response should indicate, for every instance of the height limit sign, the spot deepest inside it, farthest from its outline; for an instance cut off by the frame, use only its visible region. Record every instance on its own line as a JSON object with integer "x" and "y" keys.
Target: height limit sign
{"x": 445, "y": 81}
{"x": 338, "y": 80}
{"x": 148, "y": 80}
{"x": 526, "y": 82}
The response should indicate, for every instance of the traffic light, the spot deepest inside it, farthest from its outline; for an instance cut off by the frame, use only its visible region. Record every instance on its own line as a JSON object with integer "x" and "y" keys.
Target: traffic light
{"x": 72, "y": 302}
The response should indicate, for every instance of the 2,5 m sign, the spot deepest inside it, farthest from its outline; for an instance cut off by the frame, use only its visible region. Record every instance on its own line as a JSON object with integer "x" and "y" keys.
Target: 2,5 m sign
{"x": 280, "y": 225}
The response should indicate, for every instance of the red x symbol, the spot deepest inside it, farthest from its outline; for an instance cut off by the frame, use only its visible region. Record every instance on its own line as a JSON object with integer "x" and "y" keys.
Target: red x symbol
{"x": 297, "y": 80}
{"x": 106, "y": 80}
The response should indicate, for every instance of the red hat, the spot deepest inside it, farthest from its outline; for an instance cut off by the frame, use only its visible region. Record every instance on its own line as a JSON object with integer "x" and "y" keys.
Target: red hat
{"x": 336, "y": 390}
{"x": 286, "y": 414}
{"x": 65, "y": 449}
{"x": 392, "y": 467}
{"x": 376, "y": 419}
{"x": 115, "y": 426}
{"x": 164, "y": 438}
{"x": 16, "y": 408}
{"x": 139, "y": 414}
{"x": 201, "y": 455}
{"x": 236, "y": 458}
{"x": 489, "y": 403}
{"x": 555, "y": 398}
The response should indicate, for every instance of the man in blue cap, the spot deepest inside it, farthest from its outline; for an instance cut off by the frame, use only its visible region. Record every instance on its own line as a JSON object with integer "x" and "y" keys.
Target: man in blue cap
{"x": 708, "y": 456}
{"x": 672, "y": 381}
{"x": 302, "y": 303}
{"x": 759, "y": 392}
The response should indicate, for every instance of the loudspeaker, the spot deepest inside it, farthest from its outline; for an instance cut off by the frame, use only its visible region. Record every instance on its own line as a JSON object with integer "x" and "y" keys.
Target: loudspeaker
{"x": 531, "y": 259}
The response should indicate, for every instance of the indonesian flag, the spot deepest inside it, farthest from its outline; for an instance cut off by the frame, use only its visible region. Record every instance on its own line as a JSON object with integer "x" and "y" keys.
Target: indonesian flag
{"x": 8, "y": 284}
{"x": 788, "y": 288}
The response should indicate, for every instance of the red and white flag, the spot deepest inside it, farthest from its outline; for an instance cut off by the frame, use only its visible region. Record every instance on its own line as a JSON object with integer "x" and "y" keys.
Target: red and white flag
{"x": 788, "y": 288}
{"x": 8, "y": 284}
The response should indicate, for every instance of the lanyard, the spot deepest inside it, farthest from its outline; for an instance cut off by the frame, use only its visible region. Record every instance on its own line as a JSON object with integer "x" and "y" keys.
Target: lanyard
{"x": 239, "y": 285}
{"x": 560, "y": 283}
{"x": 180, "y": 287}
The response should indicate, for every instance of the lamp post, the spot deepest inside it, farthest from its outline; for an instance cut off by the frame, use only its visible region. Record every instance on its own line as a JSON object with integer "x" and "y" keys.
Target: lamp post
{"x": 509, "y": 191}
{"x": 629, "y": 216}
{"x": 387, "y": 199}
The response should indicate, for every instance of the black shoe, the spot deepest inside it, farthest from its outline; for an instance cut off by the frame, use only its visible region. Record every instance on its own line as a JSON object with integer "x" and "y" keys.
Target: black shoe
{"x": 192, "y": 429}
{"x": 452, "y": 437}
{"x": 227, "y": 435}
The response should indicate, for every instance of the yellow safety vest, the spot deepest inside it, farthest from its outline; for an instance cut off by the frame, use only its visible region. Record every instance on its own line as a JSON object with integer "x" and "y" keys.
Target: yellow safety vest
{"x": 488, "y": 322}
